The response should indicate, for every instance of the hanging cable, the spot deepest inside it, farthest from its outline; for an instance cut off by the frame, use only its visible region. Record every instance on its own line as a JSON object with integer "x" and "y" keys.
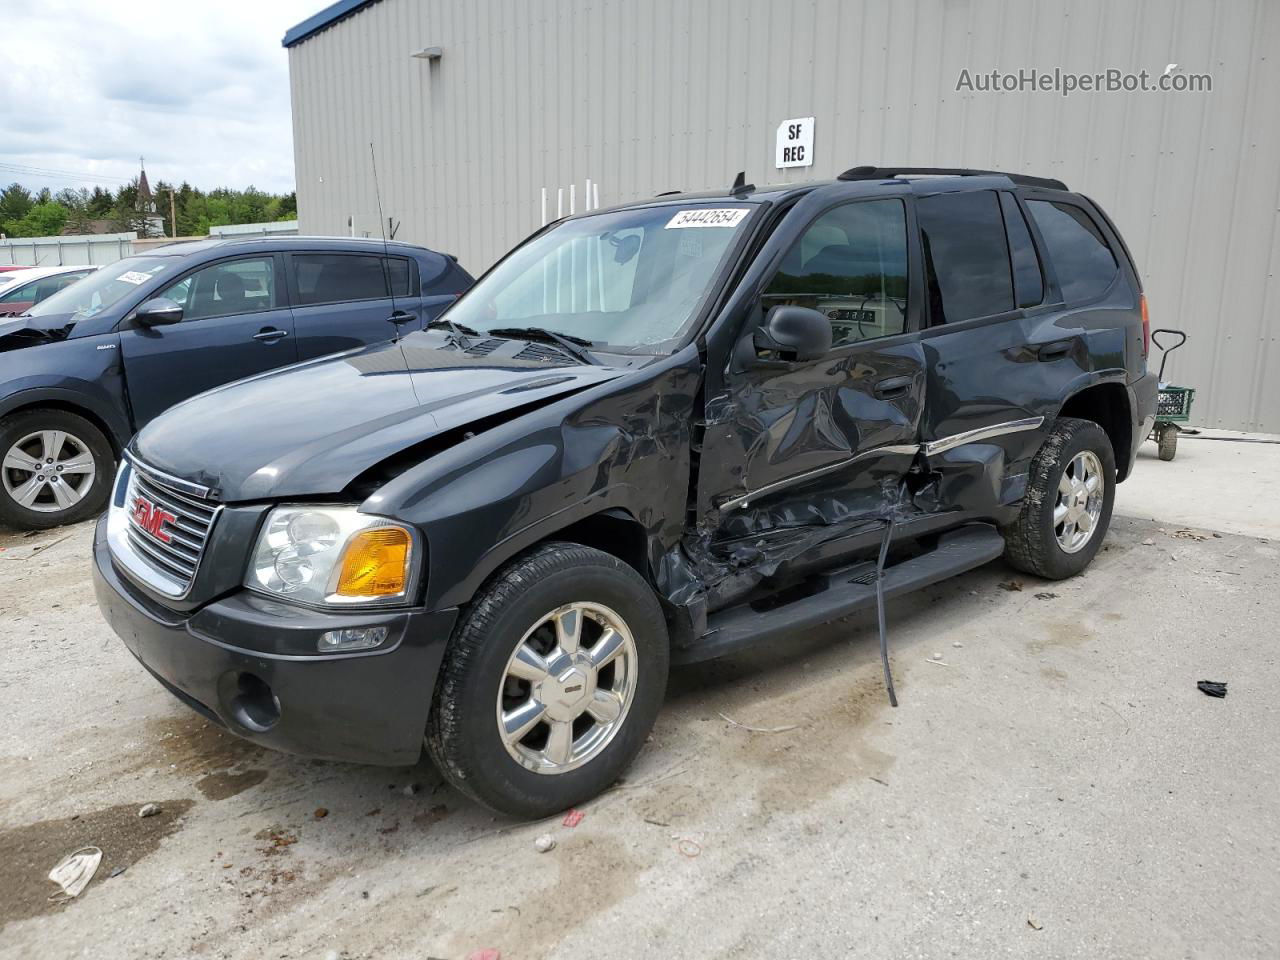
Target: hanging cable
{"x": 884, "y": 635}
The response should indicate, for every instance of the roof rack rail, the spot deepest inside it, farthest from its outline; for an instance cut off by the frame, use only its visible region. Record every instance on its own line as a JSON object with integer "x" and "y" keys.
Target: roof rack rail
{"x": 884, "y": 173}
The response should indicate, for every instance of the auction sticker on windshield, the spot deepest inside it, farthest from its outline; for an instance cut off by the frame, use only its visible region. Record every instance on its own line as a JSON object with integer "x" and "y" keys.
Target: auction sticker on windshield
{"x": 723, "y": 217}
{"x": 134, "y": 277}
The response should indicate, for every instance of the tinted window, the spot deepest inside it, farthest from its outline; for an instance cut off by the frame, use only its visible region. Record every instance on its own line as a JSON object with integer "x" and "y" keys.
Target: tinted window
{"x": 851, "y": 264}
{"x": 226, "y": 289}
{"x": 400, "y": 275}
{"x": 1081, "y": 258}
{"x": 966, "y": 256}
{"x": 341, "y": 277}
{"x": 1028, "y": 283}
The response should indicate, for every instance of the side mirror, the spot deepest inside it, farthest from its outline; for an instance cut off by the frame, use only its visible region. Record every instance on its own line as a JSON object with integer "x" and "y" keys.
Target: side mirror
{"x": 159, "y": 312}
{"x": 802, "y": 332}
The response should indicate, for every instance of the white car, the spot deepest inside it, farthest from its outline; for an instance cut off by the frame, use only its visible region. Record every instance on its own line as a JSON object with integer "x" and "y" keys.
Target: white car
{"x": 20, "y": 290}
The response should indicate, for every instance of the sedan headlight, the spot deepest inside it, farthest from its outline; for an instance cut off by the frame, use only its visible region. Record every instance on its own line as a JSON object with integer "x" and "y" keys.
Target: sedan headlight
{"x": 332, "y": 555}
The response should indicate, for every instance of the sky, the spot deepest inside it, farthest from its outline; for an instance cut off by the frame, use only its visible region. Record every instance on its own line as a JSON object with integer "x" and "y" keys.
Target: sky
{"x": 200, "y": 88}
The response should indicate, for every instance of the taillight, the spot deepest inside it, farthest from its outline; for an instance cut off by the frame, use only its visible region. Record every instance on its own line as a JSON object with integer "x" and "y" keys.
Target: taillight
{"x": 1146, "y": 327}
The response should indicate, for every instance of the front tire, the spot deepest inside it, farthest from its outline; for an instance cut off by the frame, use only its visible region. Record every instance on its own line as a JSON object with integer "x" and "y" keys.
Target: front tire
{"x": 55, "y": 467}
{"x": 1067, "y": 508}
{"x": 551, "y": 682}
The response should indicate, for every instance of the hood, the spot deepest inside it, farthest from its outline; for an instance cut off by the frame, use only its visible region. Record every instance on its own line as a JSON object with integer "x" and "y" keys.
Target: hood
{"x": 312, "y": 428}
{"x": 19, "y": 332}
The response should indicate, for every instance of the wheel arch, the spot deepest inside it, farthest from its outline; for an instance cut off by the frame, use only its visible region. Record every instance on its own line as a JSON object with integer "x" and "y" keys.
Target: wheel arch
{"x": 1108, "y": 405}
{"x": 66, "y": 402}
{"x": 613, "y": 531}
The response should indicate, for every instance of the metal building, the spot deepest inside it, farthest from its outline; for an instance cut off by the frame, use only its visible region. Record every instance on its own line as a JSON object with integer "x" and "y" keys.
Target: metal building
{"x": 475, "y": 107}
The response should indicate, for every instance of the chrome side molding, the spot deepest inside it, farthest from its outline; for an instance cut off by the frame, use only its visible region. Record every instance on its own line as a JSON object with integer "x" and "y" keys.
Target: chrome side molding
{"x": 981, "y": 433}
{"x": 905, "y": 449}
{"x": 929, "y": 448}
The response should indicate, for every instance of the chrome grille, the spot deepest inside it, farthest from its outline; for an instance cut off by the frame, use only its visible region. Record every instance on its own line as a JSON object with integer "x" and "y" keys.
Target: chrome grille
{"x": 171, "y": 543}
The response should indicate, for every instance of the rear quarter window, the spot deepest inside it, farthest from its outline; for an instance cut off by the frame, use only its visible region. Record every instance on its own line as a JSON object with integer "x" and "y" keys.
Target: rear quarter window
{"x": 1028, "y": 282}
{"x": 1083, "y": 261}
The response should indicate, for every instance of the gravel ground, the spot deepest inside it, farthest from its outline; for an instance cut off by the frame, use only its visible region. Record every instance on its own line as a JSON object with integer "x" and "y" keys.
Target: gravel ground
{"x": 1053, "y": 785}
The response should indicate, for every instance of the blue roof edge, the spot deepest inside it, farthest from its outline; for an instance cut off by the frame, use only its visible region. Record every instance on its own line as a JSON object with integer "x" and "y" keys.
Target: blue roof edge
{"x": 325, "y": 18}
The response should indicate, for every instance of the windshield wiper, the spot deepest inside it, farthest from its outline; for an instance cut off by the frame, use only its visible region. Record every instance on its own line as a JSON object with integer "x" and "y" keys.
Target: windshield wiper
{"x": 457, "y": 329}
{"x": 567, "y": 342}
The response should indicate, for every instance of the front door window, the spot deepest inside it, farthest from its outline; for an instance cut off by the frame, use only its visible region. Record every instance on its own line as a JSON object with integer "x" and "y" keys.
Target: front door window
{"x": 851, "y": 264}
{"x": 227, "y": 289}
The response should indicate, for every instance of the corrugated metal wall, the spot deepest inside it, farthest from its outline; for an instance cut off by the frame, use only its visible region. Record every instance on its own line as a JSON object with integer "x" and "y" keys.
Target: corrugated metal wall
{"x": 664, "y": 94}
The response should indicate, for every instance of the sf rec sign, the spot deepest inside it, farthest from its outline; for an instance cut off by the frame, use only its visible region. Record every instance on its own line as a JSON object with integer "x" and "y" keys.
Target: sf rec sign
{"x": 794, "y": 147}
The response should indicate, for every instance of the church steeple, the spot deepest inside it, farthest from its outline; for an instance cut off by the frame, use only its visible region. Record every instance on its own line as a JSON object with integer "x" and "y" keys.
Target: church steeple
{"x": 145, "y": 202}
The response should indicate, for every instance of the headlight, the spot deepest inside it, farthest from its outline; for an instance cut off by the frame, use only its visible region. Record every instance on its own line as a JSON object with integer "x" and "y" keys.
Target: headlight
{"x": 332, "y": 555}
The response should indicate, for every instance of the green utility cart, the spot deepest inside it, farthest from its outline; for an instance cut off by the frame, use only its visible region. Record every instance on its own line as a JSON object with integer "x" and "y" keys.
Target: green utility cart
{"x": 1173, "y": 404}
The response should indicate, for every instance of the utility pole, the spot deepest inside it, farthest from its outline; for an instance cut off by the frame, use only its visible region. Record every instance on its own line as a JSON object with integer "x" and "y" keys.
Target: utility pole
{"x": 173, "y": 216}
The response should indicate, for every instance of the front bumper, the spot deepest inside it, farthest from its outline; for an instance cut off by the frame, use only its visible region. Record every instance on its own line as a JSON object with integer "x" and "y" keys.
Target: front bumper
{"x": 228, "y": 660}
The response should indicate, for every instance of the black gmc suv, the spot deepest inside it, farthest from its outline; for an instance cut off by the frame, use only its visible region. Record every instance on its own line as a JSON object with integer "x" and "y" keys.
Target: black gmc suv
{"x": 652, "y": 434}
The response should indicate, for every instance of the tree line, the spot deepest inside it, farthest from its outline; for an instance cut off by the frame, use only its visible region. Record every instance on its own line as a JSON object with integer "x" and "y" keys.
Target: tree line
{"x": 48, "y": 214}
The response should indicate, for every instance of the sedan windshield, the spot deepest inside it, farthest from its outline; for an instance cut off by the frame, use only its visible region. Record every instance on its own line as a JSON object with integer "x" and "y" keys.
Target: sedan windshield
{"x": 628, "y": 280}
{"x": 102, "y": 288}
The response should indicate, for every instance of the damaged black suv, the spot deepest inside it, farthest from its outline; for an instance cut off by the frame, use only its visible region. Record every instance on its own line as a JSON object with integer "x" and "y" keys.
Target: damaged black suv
{"x": 652, "y": 434}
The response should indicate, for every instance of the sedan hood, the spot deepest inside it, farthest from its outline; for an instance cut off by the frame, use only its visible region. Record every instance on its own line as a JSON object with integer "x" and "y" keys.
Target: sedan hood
{"x": 312, "y": 428}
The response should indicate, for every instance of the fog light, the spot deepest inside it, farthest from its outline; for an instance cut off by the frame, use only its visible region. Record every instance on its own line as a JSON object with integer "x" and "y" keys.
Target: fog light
{"x": 352, "y": 638}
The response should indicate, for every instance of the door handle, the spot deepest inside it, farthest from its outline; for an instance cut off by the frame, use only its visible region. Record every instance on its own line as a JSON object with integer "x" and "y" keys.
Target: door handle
{"x": 270, "y": 335}
{"x": 893, "y": 387}
{"x": 401, "y": 316}
{"x": 1054, "y": 351}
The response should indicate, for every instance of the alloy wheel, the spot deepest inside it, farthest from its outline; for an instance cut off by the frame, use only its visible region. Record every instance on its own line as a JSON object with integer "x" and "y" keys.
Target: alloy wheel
{"x": 567, "y": 688}
{"x": 1081, "y": 491}
{"x": 48, "y": 471}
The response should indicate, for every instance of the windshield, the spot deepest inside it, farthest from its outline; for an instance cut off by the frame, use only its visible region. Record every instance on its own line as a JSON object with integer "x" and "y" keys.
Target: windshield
{"x": 629, "y": 280}
{"x": 102, "y": 288}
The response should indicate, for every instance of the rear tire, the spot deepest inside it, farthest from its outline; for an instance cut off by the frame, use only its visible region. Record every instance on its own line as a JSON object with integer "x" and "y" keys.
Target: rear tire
{"x": 1167, "y": 441}
{"x": 534, "y": 711}
{"x": 55, "y": 467}
{"x": 1067, "y": 507}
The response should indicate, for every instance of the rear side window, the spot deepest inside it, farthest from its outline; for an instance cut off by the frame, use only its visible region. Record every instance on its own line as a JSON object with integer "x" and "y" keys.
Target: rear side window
{"x": 966, "y": 256}
{"x": 343, "y": 277}
{"x": 1081, "y": 258}
{"x": 1028, "y": 282}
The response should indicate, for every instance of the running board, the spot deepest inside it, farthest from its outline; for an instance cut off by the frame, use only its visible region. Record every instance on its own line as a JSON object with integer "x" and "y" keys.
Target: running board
{"x": 848, "y": 590}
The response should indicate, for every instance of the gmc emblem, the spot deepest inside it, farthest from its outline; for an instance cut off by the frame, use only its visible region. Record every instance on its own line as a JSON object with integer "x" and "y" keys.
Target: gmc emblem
{"x": 152, "y": 518}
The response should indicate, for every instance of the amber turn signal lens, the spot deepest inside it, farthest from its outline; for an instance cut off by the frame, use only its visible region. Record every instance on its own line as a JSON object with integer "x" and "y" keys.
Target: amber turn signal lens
{"x": 375, "y": 563}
